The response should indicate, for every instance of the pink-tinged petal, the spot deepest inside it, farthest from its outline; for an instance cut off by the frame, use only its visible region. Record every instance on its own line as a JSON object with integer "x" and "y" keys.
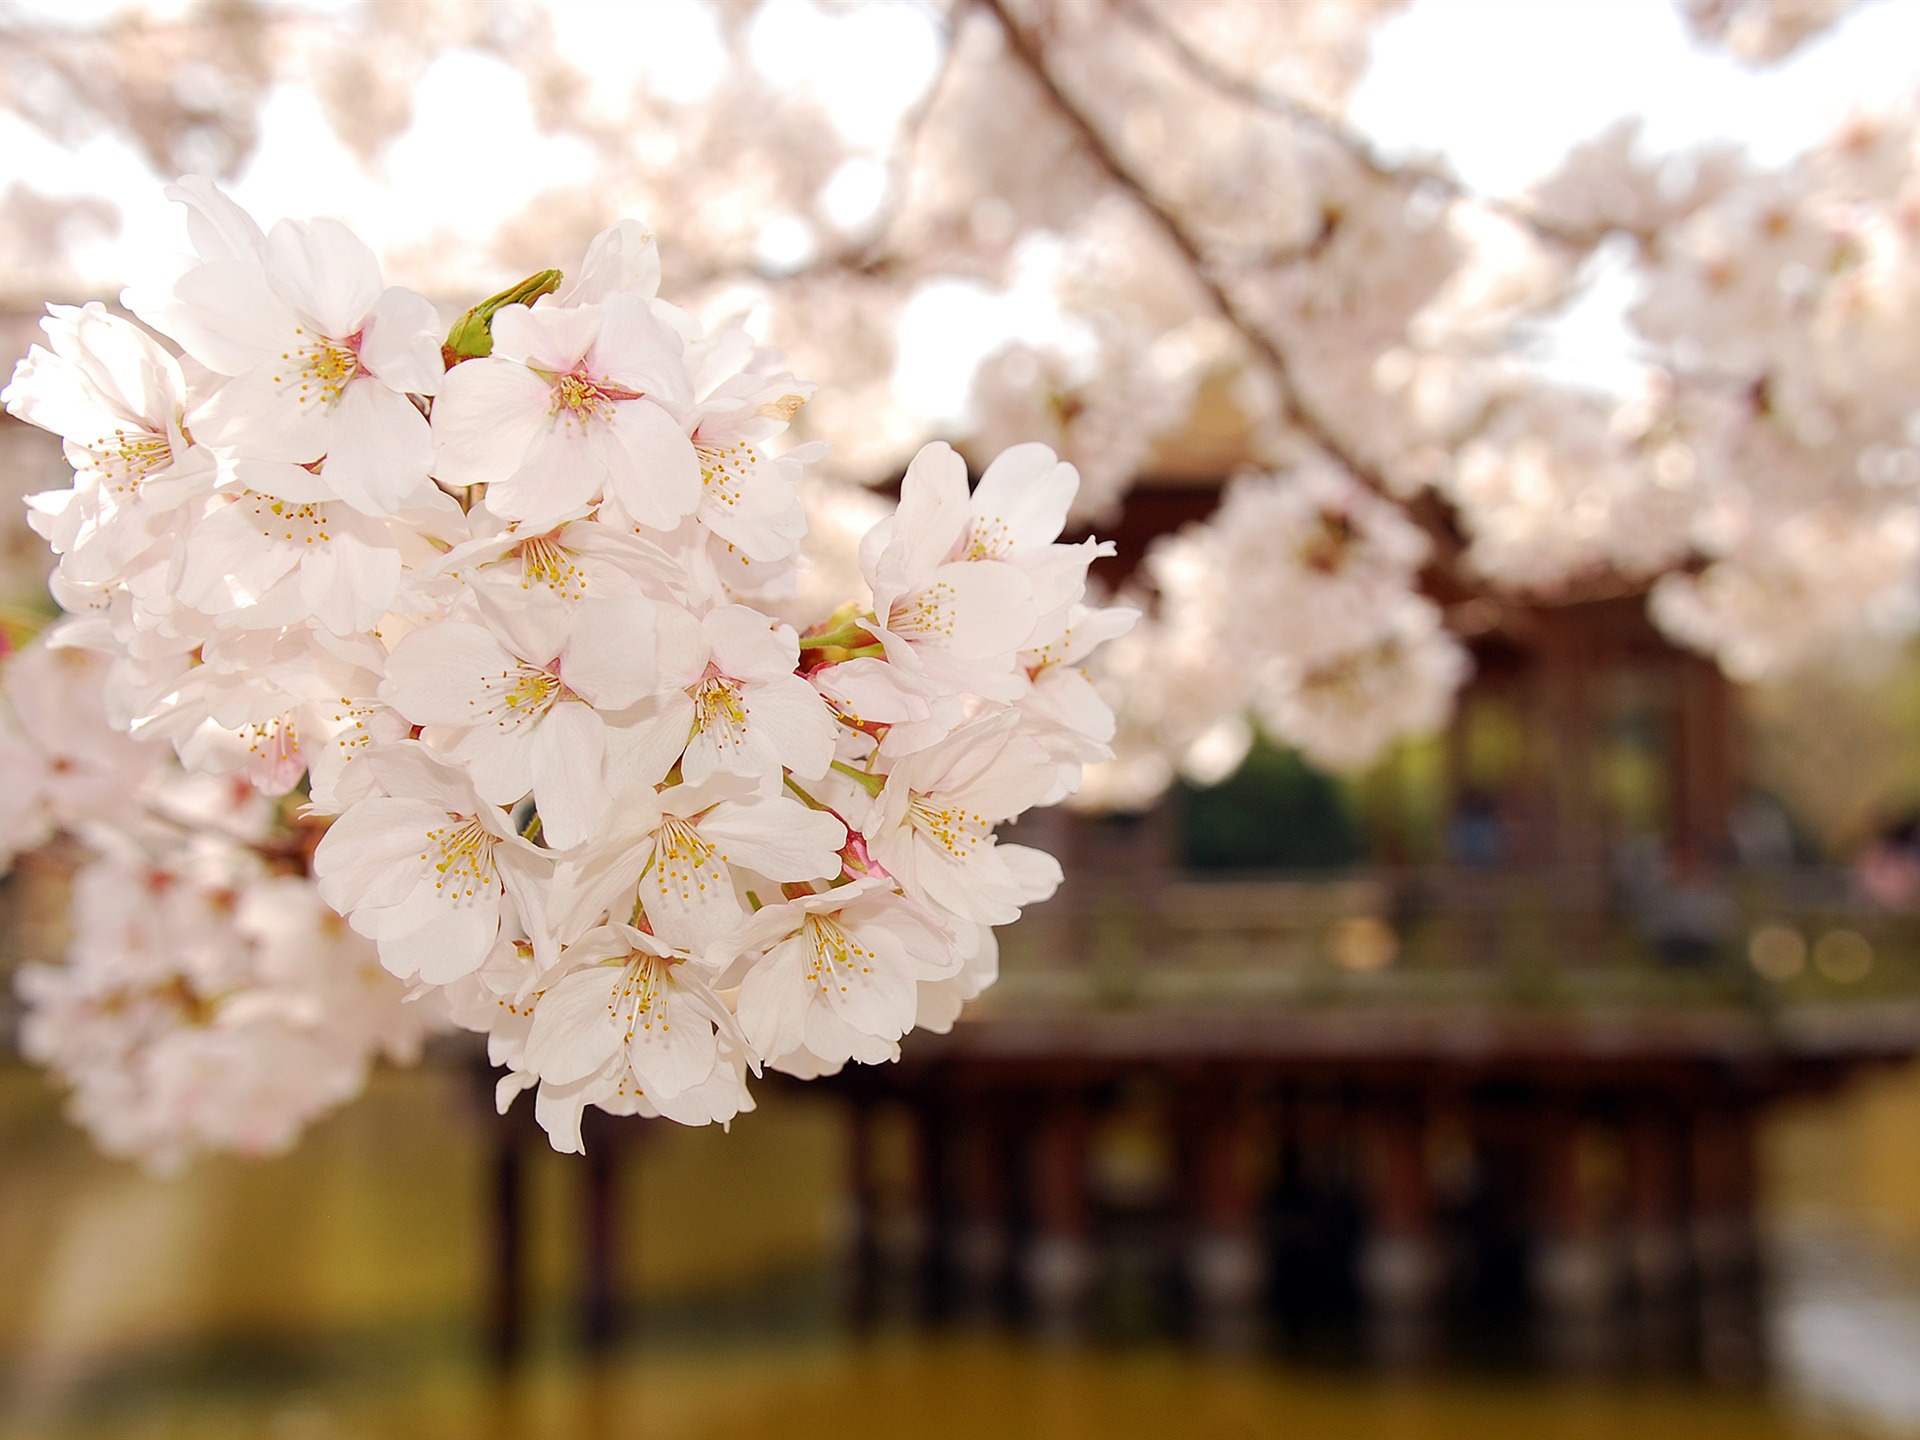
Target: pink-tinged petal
{"x": 562, "y": 473}
{"x": 488, "y": 414}
{"x": 533, "y": 624}
{"x": 400, "y": 342}
{"x": 371, "y": 855}
{"x": 436, "y": 938}
{"x": 609, "y": 656}
{"x": 603, "y": 874}
{"x": 409, "y": 769}
{"x": 217, "y": 228}
{"x": 574, "y": 1031}
{"x": 648, "y": 742}
{"x": 225, "y": 316}
{"x": 779, "y": 838}
{"x": 260, "y": 414}
{"x": 324, "y": 273}
{"x": 569, "y": 785}
{"x": 876, "y": 996}
{"x": 974, "y": 610}
{"x": 559, "y": 1110}
{"x": 870, "y": 689}
{"x": 435, "y": 674}
{"x": 774, "y": 998}
{"x": 652, "y": 466}
{"x": 789, "y": 715}
{"x": 672, "y": 1052}
{"x": 620, "y": 260}
{"x": 637, "y": 352}
{"x": 379, "y": 449}
{"x": 962, "y": 756}
{"x": 283, "y": 480}
{"x": 749, "y": 645}
{"x": 223, "y": 564}
{"x": 684, "y": 647}
{"x": 933, "y": 513}
{"x": 499, "y": 764}
{"x": 977, "y": 889}
{"x": 1019, "y": 778}
{"x": 1023, "y": 499}
{"x": 350, "y": 584}
{"x": 690, "y": 901}
{"x": 549, "y": 338}
{"x": 1035, "y": 874}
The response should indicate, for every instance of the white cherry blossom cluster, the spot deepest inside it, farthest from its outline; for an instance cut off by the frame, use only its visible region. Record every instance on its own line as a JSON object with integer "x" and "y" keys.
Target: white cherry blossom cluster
{"x": 209, "y": 1001}
{"x": 1296, "y": 603}
{"x": 502, "y": 600}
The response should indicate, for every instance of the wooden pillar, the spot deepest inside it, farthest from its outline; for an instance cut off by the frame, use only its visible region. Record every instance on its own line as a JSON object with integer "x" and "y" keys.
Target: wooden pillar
{"x": 863, "y": 1221}
{"x": 1574, "y": 1279}
{"x": 978, "y": 1254}
{"x": 926, "y": 1238}
{"x": 1700, "y": 767}
{"x": 1566, "y": 669}
{"x": 1059, "y": 1267}
{"x": 506, "y": 1294}
{"x": 1656, "y": 1200}
{"x": 600, "y": 1287}
{"x": 1400, "y": 1263}
{"x": 1725, "y": 1244}
{"x": 1226, "y": 1258}
{"x": 1724, "y": 1241}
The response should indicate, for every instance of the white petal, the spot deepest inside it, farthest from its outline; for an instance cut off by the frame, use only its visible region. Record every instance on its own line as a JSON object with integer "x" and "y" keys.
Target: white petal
{"x": 400, "y": 342}
{"x": 778, "y": 837}
{"x": 574, "y": 1029}
{"x": 379, "y": 449}
{"x": 435, "y": 674}
{"x": 569, "y": 786}
{"x": 488, "y": 414}
{"x": 654, "y": 470}
{"x": 324, "y": 273}
{"x": 609, "y": 654}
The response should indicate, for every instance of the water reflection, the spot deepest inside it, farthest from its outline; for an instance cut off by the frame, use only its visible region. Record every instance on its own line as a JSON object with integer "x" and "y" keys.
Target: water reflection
{"x": 335, "y": 1295}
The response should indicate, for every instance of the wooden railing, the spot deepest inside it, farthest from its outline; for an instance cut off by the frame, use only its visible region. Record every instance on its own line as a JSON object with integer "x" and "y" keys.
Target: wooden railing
{"x": 1774, "y": 942}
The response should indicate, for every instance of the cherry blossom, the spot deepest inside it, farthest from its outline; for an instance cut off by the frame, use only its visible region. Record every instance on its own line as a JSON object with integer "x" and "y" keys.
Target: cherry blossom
{"x": 467, "y": 685}
{"x": 574, "y": 404}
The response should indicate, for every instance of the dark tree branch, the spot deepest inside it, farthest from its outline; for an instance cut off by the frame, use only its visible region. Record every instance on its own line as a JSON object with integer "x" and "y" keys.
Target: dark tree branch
{"x": 1295, "y": 409}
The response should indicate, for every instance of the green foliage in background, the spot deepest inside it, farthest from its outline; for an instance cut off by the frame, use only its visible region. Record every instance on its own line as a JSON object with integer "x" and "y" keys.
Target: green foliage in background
{"x": 1275, "y": 812}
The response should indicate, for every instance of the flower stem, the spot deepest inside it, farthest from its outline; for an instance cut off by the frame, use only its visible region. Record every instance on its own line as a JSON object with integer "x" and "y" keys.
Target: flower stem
{"x": 872, "y": 784}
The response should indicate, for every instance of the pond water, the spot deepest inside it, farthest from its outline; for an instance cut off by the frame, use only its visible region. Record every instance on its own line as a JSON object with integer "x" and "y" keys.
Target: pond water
{"x": 333, "y": 1294}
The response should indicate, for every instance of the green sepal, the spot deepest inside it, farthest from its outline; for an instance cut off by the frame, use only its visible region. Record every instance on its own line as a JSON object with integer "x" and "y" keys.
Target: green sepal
{"x": 472, "y": 334}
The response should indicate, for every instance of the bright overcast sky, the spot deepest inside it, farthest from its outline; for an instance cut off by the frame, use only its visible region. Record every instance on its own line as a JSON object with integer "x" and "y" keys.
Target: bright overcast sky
{"x": 1504, "y": 87}
{"x": 1501, "y": 88}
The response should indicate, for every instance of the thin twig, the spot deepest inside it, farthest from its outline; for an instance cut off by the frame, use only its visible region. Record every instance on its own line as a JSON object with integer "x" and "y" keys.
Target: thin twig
{"x": 1295, "y": 409}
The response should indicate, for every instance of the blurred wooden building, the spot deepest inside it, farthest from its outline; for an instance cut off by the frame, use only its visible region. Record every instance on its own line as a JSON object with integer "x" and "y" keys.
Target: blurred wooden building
{"x": 1507, "y": 1059}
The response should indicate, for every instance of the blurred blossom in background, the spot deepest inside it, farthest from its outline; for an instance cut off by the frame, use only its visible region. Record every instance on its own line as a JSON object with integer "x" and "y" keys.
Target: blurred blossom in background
{"x": 1484, "y": 995}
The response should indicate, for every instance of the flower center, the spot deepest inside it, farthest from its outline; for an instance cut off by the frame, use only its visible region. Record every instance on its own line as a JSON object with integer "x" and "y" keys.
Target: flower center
{"x": 833, "y": 947}
{"x": 956, "y": 830}
{"x": 639, "y": 999}
{"x": 927, "y": 613}
{"x": 724, "y": 472}
{"x": 125, "y": 458}
{"x": 320, "y": 368}
{"x": 543, "y": 561}
{"x": 685, "y": 862}
{"x": 989, "y": 538}
{"x": 719, "y": 710}
{"x": 285, "y": 521}
{"x": 578, "y": 399}
{"x": 1325, "y": 548}
{"x": 462, "y": 852}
